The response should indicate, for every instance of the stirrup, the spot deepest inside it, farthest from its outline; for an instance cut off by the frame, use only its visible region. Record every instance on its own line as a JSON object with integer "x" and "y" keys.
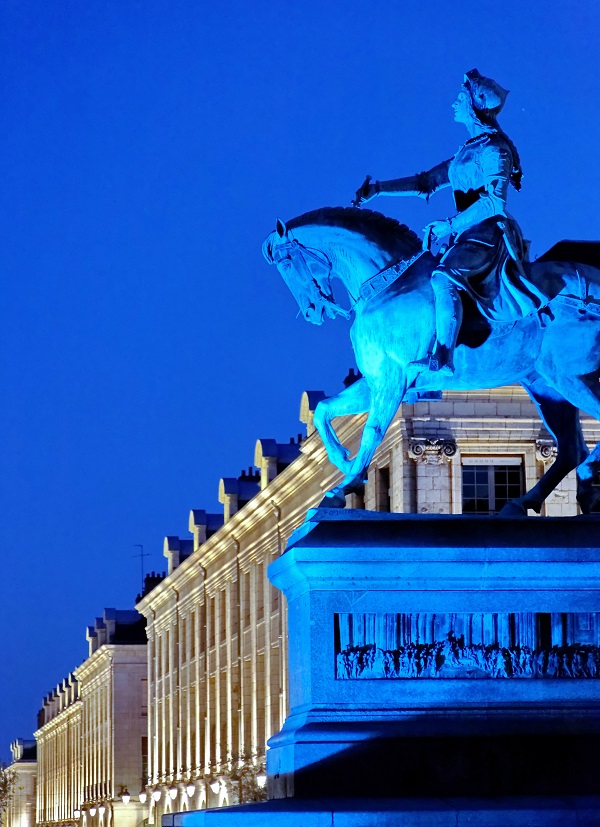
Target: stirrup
{"x": 441, "y": 362}
{"x": 422, "y": 363}
{"x": 432, "y": 363}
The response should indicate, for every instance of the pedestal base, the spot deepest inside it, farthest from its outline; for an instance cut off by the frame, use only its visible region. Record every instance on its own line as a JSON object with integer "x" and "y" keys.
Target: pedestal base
{"x": 436, "y": 656}
{"x": 432, "y": 657}
{"x": 340, "y": 812}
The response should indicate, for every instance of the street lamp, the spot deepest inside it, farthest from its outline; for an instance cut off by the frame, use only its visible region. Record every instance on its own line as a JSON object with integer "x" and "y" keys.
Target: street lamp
{"x": 142, "y": 796}
{"x": 190, "y": 789}
{"x": 77, "y": 813}
{"x": 155, "y": 795}
{"x": 261, "y": 779}
{"x": 92, "y": 811}
{"x": 101, "y": 810}
{"x": 173, "y": 793}
{"x": 215, "y": 785}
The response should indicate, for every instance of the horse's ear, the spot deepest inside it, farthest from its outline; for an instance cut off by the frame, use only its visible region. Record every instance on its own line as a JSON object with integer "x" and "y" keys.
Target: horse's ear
{"x": 281, "y": 230}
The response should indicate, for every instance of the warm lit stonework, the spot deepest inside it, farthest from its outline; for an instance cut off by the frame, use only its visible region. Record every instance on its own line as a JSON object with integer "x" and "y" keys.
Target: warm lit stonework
{"x": 183, "y": 722}
{"x": 217, "y": 655}
{"x": 59, "y": 755}
{"x": 21, "y": 810}
{"x": 93, "y": 730}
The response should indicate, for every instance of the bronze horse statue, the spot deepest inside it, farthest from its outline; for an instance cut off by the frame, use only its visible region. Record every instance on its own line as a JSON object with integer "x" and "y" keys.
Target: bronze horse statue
{"x": 554, "y": 353}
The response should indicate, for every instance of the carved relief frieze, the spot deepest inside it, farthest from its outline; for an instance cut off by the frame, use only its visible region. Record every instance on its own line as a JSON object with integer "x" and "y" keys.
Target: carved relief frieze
{"x": 523, "y": 645}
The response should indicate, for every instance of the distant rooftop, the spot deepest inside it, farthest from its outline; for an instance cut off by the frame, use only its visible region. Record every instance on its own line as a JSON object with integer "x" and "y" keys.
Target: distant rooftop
{"x": 23, "y": 749}
{"x": 116, "y": 627}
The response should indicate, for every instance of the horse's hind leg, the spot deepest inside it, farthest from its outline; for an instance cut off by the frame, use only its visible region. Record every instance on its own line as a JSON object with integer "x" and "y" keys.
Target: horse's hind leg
{"x": 561, "y": 418}
{"x": 584, "y": 391}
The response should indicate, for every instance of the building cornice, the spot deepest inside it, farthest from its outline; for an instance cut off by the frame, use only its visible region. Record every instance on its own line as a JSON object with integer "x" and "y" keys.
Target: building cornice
{"x": 247, "y": 526}
{"x": 61, "y": 718}
{"x": 105, "y": 656}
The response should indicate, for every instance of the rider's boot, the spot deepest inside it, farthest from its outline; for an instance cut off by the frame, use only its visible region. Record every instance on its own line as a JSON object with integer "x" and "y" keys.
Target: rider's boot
{"x": 448, "y": 317}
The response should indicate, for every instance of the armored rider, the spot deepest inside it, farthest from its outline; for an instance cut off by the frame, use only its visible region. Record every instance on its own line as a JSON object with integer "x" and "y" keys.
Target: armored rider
{"x": 486, "y": 254}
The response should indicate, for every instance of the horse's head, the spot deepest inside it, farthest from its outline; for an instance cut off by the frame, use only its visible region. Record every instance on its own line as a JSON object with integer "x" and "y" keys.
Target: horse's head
{"x": 307, "y": 273}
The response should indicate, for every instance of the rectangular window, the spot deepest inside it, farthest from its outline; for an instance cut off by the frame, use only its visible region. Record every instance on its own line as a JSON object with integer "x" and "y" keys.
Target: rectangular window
{"x": 384, "y": 500}
{"x": 144, "y": 697}
{"x": 202, "y": 629}
{"x": 222, "y": 615}
{"x": 357, "y": 498}
{"x": 260, "y": 591}
{"x": 487, "y": 488}
{"x": 260, "y": 706}
{"x": 183, "y": 640}
{"x": 211, "y": 622}
{"x": 193, "y": 635}
{"x": 234, "y": 589}
{"x": 246, "y": 599}
{"x": 145, "y": 759}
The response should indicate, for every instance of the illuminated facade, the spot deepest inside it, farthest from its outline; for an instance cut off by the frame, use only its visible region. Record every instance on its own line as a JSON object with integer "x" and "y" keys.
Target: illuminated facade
{"x": 92, "y": 731}
{"x": 21, "y": 810}
{"x": 59, "y": 754}
{"x": 217, "y": 657}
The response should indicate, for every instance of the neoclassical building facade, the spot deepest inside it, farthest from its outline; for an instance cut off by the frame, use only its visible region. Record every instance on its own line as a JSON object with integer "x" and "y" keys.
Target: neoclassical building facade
{"x": 217, "y": 654}
{"x": 21, "y": 808}
{"x": 92, "y": 731}
{"x": 59, "y": 755}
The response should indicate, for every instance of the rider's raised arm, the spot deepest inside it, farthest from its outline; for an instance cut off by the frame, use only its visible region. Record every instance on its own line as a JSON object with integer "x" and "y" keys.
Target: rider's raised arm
{"x": 423, "y": 185}
{"x": 495, "y": 162}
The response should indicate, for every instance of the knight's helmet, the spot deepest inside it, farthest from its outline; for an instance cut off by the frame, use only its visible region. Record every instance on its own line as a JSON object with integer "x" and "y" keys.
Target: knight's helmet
{"x": 487, "y": 96}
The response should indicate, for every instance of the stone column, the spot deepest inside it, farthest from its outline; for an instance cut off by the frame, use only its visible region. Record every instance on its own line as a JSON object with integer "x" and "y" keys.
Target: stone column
{"x": 434, "y": 474}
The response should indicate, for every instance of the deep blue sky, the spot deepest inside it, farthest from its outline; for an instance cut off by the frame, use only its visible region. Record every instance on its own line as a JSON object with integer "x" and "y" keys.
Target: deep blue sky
{"x": 147, "y": 148}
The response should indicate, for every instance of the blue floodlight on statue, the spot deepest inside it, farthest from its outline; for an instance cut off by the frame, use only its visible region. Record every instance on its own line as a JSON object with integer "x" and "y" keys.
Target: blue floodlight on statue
{"x": 440, "y": 672}
{"x": 475, "y": 314}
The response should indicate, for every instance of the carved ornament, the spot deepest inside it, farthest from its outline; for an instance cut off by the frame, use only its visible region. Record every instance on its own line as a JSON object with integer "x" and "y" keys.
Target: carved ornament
{"x": 432, "y": 451}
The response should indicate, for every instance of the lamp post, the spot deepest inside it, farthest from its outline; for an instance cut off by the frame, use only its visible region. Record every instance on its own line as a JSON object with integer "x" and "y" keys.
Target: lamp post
{"x": 261, "y": 779}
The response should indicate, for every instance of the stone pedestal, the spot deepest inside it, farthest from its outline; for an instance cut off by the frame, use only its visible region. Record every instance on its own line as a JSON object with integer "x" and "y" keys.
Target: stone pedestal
{"x": 443, "y": 670}
{"x": 440, "y": 656}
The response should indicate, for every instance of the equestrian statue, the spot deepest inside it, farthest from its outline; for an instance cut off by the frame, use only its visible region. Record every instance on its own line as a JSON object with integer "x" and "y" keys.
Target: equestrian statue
{"x": 475, "y": 314}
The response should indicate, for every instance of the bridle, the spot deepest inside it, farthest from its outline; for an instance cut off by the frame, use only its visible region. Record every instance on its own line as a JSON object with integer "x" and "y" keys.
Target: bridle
{"x": 298, "y": 254}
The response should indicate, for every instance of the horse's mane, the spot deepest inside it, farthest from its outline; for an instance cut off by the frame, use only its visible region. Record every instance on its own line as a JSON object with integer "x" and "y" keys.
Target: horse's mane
{"x": 397, "y": 239}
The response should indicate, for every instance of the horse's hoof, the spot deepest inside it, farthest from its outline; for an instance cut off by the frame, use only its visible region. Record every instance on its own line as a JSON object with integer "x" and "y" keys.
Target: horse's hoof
{"x": 333, "y": 499}
{"x": 588, "y": 500}
{"x": 513, "y": 509}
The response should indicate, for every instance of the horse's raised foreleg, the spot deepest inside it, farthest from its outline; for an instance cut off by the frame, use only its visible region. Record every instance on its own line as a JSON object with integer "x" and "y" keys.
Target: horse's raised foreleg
{"x": 385, "y": 399}
{"x": 355, "y": 399}
{"x": 561, "y": 418}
